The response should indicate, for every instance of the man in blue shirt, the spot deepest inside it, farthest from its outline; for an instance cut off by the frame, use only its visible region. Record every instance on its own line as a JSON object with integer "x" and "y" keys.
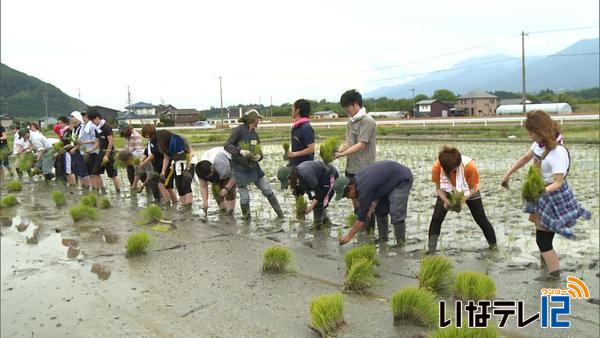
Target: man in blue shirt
{"x": 381, "y": 188}
{"x": 303, "y": 135}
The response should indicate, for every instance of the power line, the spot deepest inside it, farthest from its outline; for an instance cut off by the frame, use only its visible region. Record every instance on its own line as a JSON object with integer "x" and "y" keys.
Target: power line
{"x": 562, "y": 30}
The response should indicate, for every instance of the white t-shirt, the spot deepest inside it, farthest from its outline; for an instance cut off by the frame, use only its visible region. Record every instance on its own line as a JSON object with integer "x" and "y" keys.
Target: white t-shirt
{"x": 556, "y": 162}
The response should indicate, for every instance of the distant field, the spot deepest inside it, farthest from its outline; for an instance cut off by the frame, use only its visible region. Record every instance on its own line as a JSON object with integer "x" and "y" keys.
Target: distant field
{"x": 587, "y": 108}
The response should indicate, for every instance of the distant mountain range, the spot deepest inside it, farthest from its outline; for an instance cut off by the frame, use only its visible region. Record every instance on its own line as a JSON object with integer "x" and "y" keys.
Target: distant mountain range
{"x": 575, "y": 67}
{"x": 22, "y": 95}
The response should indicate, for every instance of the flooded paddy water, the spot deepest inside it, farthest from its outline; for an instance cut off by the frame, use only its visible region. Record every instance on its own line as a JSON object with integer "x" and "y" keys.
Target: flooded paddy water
{"x": 203, "y": 278}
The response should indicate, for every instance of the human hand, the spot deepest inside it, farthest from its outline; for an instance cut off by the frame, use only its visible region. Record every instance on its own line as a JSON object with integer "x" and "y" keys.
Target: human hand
{"x": 338, "y": 154}
{"x": 223, "y": 192}
{"x": 504, "y": 181}
{"x": 256, "y": 157}
{"x": 245, "y": 153}
{"x": 345, "y": 240}
{"x": 105, "y": 159}
{"x": 447, "y": 205}
{"x": 290, "y": 154}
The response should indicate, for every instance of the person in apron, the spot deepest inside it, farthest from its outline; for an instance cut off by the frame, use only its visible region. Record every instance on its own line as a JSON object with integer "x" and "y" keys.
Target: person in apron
{"x": 242, "y": 143}
{"x": 175, "y": 149}
{"x": 455, "y": 172}
{"x": 556, "y": 210}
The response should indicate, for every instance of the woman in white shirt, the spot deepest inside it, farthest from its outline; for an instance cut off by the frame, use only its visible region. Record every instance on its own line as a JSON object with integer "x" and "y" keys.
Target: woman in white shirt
{"x": 557, "y": 210}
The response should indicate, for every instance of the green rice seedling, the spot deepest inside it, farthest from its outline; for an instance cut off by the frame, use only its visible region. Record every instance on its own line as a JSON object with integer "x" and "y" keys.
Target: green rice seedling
{"x": 89, "y": 200}
{"x": 367, "y": 251}
{"x": 327, "y": 313}
{"x": 137, "y": 243}
{"x": 152, "y": 213}
{"x": 360, "y": 276}
{"x": 254, "y": 149}
{"x": 340, "y": 233}
{"x": 300, "y": 207}
{"x": 276, "y": 259}
{"x": 415, "y": 304}
{"x": 472, "y": 285}
{"x": 286, "y": 147}
{"x": 436, "y": 274}
{"x": 8, "y": 201}
{"x": 456, "y": 198}
{"x": 328, "y": 148}
{"x": 82, "y": 211}
{"x": 105, "y": 203}
{"x": 59, "y": 198}
{"x": 57, "y": 148}
{"x": 213, "y": 138}
{"x": 465, "y": 332}
{"x": 13, "y": 186}
{"x": 4, "y": 153}
{"x": 351, "y": 219}
{"x": 533, "y": 186}
{"x": 26, "y": 161}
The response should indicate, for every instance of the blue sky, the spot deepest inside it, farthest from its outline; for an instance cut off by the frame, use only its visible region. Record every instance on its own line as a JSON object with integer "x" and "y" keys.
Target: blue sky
{"x": 174, "y": 51}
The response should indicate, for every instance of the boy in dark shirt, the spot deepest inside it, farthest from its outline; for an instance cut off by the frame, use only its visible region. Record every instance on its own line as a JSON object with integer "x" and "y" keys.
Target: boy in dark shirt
{"x": 381, "y": 188}
{"x": 303, "y": 135}
{"x": 105, "y": 145}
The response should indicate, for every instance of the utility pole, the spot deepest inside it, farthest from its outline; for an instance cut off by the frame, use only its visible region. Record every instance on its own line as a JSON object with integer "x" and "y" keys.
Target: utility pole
{"x": 221, "y": 93}
{"x": 413, "y": 102}
{"x": 45, "y": 98}
{"x": 271, "y": 107}
{"x": 128, "y": 96}
{"x": 524, "y": 95}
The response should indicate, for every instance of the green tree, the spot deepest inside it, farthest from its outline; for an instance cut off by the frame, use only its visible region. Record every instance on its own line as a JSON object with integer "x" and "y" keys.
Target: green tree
{"x": 444, "y": 95}
{"x": 420, "y": 97}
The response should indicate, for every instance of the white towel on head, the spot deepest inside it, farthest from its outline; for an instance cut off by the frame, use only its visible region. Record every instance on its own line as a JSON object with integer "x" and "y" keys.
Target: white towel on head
{"x": 461, "y": 182}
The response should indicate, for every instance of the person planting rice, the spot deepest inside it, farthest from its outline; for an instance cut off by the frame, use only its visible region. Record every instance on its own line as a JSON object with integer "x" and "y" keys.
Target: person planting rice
{"x": 176, "y": 150}
{"x": 105, "y": 158}
{"x": 62, "y": 164}
{"x": 133, "y": 147}
{"x": 20, "y": 147}
{"x": 215, "y": 167}
{"x": 316, "y": 179}
{"x": 4, "y": 152}
{"x": 78, "y": 164}
{"x": 153, "y": 158}
{"x": 556, "y": 210}
{"x": 41, "y": 147}
{"x": 381, "y": 188}
{"x": 245, "y": 162}
{"x": 303, "y": 135}
{"x": 456, "y": 176}
{"x": 360, "y": 148}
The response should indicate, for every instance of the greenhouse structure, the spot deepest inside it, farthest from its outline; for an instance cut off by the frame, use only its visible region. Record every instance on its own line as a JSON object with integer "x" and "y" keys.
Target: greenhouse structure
{"x": 551, "y": 108}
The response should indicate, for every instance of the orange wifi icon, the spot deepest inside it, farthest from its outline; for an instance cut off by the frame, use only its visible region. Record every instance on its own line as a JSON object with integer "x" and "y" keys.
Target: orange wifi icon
{"x": 577, "y": 288}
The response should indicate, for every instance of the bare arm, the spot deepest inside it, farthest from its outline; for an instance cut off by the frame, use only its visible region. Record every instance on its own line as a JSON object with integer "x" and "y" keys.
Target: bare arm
{"x": 354, "y": 149}
{"x": 558, "y": 180}
{"x": 204, "y": 193}
{"x": 358, "y": 225}
{"x": 518, "y": 165}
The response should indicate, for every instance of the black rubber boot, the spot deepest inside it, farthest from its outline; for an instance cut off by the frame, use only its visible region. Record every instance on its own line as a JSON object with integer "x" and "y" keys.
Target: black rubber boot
{"x": 318, "y": 218}
{"x": 400, "y": 232}
{"x": 245, "y": 211}
{"x": 433, "y": 239}
{"x": 382, "y": 227}
{"x": 275, "y": 205}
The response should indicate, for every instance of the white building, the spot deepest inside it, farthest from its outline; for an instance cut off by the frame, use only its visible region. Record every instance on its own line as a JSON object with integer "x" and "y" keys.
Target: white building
{"x": 326, "y": 115}
{"x": 550, "y": 108}
{"x": 388, "y": 114}
{"x": 142, "y": 108}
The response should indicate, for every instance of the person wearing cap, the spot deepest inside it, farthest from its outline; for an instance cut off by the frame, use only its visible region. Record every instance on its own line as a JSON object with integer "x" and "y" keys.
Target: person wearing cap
{"x": 78, "y": 165}
{"x": 41, "y": 146}
{"x": 245, "y": 163}
{"x": 62, "y": 164}
{"x": 177, "y": 151}
{"x": 215, "y": 167}
{"x": 20, "y": 147}
{"x": 316, "y": 179}
{"x": 104, "y": 159}
{"x": 381, "y": 188}
{"x": 303, "y": 135}
{"x": 359, "y": 148}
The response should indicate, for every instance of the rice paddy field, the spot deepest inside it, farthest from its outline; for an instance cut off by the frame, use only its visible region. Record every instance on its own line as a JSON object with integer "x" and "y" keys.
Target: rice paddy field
{"x": 202, "y": 275}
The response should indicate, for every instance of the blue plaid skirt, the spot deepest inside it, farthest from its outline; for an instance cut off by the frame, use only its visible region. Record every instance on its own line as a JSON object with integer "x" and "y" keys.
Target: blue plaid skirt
{"x": 558, "y": 211}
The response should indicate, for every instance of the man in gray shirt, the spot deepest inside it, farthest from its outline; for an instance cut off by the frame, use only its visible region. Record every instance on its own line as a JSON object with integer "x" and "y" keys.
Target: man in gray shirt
{"x": 214, "y": 167}
{"x": 360, "y": 147}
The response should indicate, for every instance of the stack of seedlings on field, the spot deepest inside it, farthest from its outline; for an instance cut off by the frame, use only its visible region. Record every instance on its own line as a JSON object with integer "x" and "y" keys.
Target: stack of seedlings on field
{"x": 465, "y": 332}
{"x": 14, "y": 186}
{"x": 360, "y": 276}
{"x": 533, "y": 186}
{"x": 82, "y": 211}
{"x": 367, "y": 251}
{"x": 436, "y": 274}
{"x": 276, "y": 259}
{"x": 137, "y": 244}
{"x": 456, "y": 198}
{"x": 327, "y": 314}
{"x": 8, "y": 201}
{"x": 153, "y": 213}
{"x": 59, "y": 198}
{"x": 105, "y": 203}
{"x": 471, "y": 285}
{"x": 415, "y": 304}
{"x": 89, "y": 200}
{"x": 300, "y": 207}
{"x": 328, "y": 148}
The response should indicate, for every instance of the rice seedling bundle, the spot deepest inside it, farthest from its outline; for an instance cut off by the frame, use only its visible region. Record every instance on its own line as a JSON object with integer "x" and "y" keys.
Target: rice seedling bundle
{"x": 328, "y": 148}
{"x": 81, "y": 211}
{"x": 436, "y": 274}
{"x": 276, "y": 259}
{"x": 415, "y": 304}
{"x": 327, "y": 313}
{"x": 59, "y": 198}
{"x": 137, "y": 243}
{"x": 472, "y": 285}
{"x": 367, "y": 251}
{"x": 13, "y": 186}
{"x": 8, "y": 201}
{"x": 360, "y": 276}
{"x": 533, "y": 186}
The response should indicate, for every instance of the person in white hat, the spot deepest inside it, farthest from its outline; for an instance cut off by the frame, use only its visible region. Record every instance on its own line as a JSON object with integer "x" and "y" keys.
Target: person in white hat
{"x": 78, "y": 166}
